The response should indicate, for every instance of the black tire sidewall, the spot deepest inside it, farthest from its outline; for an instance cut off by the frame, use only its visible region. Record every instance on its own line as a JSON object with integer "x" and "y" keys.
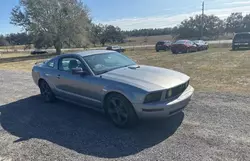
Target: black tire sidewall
{"x": 132, "y": 117}
{"x": 51, "y": 98}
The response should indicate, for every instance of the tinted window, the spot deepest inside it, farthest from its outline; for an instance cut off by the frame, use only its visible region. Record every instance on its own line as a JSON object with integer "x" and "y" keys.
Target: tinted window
{"x": 67, "y": 64}
{"x": 160, "y": 43}
{"x": 180, "y": 42}
{"x": 167, "y": 42}
{"x": 242, "y": 36}
{"x": 198, "y": 41}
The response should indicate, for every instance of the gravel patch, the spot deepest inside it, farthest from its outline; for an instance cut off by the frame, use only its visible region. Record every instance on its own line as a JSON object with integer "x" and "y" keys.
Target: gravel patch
{"x": 214, "y": 126}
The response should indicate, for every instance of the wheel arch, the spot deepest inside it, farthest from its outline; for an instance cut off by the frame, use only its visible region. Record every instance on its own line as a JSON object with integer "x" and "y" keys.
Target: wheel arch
{"x": 40, "y": 80}
{"x": 114, "y": 92}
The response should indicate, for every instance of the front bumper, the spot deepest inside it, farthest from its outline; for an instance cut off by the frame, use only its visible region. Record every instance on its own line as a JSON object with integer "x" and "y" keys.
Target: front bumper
{"x": 164, "y": 109}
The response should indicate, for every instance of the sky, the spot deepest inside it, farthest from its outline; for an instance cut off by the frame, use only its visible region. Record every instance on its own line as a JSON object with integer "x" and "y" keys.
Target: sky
{"x": 136, "y": 14}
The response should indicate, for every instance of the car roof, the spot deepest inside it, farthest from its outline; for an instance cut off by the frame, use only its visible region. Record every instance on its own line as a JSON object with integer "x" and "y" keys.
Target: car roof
{"x": 89, "y": 52}
{"x": 164, "y": 41}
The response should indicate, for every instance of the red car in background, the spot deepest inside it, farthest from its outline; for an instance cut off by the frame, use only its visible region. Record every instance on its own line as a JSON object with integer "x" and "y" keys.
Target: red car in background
{"x": 183, "y": 46}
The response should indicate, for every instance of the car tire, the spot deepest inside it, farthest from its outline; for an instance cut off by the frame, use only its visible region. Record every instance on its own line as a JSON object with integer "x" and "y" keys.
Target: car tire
{"x": 120, "y": 111}
{"x": 46, "y": 91}
{"x": 174, "y": 52}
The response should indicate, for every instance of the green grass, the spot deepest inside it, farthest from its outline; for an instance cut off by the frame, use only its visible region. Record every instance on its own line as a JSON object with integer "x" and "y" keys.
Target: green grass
{"x": 14, "y": 55}
{"x": 217, "y": 69}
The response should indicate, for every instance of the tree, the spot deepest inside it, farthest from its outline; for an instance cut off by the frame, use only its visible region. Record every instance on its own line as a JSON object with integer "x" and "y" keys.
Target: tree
{"x": 111, "y": 34}
{"x": 59, "y": 21}
{"x": 3, "y": 41}
{"x": 95, "y": 33}
{"x": 246, "y": 23}
{"x": 234, "y": 23}
{"x": 19, "y": 39}
{"x": 191, "y": 28}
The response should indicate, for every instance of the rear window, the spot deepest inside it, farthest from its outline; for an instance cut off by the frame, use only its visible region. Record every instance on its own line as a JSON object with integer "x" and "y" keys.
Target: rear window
{"x": 160, "y": 43}
{"x": 242, "y": 36}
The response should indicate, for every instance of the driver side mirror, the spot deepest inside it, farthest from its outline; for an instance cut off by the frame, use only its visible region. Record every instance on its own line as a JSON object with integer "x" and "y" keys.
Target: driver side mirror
{"x": 79, "y": 71}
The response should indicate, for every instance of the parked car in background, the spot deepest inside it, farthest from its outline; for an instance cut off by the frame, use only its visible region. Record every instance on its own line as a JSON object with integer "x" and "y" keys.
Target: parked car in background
{"x": 202, "y": 45}
{"x": 109, "y": 81}
{"x": 183, "y": 46}
{"x": 116, "y": 48}
{"x": 38, "y": 51}
{"x": 163, "y": 45}
{"x": 241, "y": 40}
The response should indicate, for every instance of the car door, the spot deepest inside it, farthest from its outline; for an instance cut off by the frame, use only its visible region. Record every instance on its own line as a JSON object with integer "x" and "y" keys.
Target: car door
{"x": 75, "y": 87}
{"x": 193, "y": 46}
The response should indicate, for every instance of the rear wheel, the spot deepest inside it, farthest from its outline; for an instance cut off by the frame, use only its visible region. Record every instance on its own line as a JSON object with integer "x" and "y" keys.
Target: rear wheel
{"x": 120, "y": 111}
{"x": 46, "y": 91}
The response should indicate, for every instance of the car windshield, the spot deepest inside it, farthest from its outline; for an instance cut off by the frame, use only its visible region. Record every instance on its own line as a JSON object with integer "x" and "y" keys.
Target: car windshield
{"x": 160, "y": 43}
{"x": 242, "y": 36}
{"x": 197, "y": 41}
{"x": 180, "y": 42}
{"x": 102, "y": 63}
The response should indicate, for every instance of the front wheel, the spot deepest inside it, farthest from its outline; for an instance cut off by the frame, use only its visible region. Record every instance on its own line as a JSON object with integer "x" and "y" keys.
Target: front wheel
{"x": 46, "y": 91}
{"x": 120, "y": 111}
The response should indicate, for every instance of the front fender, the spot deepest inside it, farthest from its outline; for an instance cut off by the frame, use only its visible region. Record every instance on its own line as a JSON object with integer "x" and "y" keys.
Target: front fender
{"x": 133, "y": 94}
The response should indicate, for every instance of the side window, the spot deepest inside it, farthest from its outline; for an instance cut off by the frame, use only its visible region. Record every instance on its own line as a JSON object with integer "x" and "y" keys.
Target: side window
{"x": 67, "y": 64}
{"x": 51, "y": 64}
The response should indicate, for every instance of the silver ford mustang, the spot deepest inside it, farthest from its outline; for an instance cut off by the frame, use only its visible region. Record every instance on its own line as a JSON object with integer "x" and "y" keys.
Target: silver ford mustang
{"x": 111, "y": 82}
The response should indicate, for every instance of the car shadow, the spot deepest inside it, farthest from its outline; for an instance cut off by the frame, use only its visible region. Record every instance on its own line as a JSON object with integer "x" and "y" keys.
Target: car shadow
{"x": 82, "y": 130}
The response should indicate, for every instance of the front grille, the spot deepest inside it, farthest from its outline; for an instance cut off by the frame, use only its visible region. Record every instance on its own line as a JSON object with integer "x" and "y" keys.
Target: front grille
{"x": 173, "y": 92}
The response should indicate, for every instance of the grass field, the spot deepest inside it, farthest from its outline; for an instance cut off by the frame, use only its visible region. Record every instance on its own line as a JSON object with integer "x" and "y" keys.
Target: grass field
{"x": 212, "y": 70}
{"x": 13, "y": 55}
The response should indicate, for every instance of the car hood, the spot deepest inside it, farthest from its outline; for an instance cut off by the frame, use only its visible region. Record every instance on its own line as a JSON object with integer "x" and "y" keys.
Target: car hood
{"x": 148, "y": 78}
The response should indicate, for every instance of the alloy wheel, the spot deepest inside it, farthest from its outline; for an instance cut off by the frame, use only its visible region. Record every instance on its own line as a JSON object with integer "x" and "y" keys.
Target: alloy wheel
{"x": 117, "y": 111}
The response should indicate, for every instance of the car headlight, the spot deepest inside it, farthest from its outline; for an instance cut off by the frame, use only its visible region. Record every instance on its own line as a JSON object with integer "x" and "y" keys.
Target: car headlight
{"x": 153, "y": 97}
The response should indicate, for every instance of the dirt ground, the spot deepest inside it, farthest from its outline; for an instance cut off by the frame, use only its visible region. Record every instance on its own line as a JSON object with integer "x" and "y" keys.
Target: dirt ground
{"x": 214, "y": 126}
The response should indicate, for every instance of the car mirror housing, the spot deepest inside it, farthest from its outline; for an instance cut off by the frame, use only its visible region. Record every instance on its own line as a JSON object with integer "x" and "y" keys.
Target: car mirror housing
{"x": 79, "y": 71}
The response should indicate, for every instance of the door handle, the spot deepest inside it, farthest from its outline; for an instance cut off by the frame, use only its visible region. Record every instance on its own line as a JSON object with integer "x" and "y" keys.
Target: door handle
{"x": 58, "y": 76}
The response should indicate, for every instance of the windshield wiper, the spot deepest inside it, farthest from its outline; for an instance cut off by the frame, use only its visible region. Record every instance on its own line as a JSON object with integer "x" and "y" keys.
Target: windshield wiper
{"x": 108, "y": 70}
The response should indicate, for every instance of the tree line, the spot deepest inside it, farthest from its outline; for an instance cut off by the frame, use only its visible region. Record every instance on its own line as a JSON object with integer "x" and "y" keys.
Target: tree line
{"x": 67, "y": 23}
{"x": 212, "y": 26}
